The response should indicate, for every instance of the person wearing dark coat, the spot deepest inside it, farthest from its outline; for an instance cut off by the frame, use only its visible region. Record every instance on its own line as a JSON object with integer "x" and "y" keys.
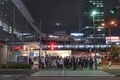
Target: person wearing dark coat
{"x": 91, "y": 63}
{"x": 82, "y": 63}
{"x": 86, "y": 62}
{"x": 74, "y": 63}
{"x": 67, "y": 63}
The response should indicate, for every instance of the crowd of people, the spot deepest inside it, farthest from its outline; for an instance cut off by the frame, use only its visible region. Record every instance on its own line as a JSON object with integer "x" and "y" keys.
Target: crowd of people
{"x": 57, "y": 62}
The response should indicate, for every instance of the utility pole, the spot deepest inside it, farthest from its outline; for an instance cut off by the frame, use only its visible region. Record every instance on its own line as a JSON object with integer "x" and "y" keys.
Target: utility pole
{"x": 38, "y": 25}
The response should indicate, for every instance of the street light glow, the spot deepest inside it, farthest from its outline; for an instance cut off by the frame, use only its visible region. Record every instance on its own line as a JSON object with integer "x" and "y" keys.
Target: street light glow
{"x": 112, "y": 22}
{"x": 103, "y": 24}
{"x": 94, "y": 12}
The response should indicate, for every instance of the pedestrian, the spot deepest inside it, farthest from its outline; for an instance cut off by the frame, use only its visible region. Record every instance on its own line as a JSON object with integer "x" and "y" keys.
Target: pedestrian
{"x": 91, "y": 63}
{"x": 36, "y": 64}
{"x": 61, "y": 63}
{"x": 43, "y": 62}
{"x": 109, "y": 62}
{"x": 74, "y": 63}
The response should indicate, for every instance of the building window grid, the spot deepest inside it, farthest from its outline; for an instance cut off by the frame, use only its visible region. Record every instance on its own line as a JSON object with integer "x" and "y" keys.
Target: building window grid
{"x": 9, "y": 11}
{"x": 101, "y": 14}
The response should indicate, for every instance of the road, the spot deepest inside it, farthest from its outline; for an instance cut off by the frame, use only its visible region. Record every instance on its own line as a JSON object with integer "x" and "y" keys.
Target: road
{"x": 73, "y": 78}
{"x": 105, "y": 74}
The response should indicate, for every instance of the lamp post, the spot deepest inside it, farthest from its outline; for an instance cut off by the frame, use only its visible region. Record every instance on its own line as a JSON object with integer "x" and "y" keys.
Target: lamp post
{"x": 93, "y": 15}
{"x": 109, "y": 32}
{"x": 109, "y": 28}
{"x": 38, "y": 25}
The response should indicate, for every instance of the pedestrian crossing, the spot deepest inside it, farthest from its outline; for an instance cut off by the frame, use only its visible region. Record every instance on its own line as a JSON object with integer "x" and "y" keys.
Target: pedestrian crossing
{"x": 72, "y": 73}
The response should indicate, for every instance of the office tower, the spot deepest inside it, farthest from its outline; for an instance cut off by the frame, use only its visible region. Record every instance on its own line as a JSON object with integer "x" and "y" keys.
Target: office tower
{"x": 87, "y": 22}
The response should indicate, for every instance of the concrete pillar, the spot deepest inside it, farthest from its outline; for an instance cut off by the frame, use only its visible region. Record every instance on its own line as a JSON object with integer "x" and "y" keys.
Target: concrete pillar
{"x": 3, "y": 54}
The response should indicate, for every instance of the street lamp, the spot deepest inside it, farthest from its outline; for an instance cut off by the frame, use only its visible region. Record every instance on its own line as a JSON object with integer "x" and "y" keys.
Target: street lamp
{"x": 93, "y": 15}
{"x": 109, "y": 31}
{"x": 38, "y": 25}
{"x": 109, "y": 28}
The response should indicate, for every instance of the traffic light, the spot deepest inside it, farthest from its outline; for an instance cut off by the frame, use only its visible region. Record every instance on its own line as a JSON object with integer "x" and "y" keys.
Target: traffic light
{"x": 115, "y": 9}
{"x": 112, "y": 11}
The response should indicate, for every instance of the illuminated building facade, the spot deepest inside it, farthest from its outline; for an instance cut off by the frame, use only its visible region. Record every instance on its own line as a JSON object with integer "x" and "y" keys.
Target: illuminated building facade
{"x": 86, "y": 20}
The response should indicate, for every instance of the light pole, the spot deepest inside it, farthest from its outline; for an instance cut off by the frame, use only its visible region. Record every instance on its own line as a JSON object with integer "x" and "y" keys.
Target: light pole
{"x": 109, "y": 28}
{"x": 38, "y": 25}
{"x": 93, "y": 15}
{"x": 109, "y": 32}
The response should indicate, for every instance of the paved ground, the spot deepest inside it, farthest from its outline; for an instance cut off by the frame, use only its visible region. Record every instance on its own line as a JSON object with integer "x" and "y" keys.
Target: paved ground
{"x": 73, "y": 78}
{"x": 107, "y": 67}
{"x": 115, "y": 72}
{"x": 104, "y": 72}
{"x": 105, "y": 62}
{"x": 9, "y": 77}
{"x": 74, "y": 75}
{"x": 15, "y": 74}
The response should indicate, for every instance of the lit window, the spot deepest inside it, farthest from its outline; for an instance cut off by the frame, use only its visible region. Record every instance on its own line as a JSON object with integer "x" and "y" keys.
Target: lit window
{"x": 87, "y": 27}
{"x": 91, "y": 37}
{"x": 98, "y": 29}
{"x": 102, "y": 19}
{"x": 98, "y": 20}
{"x": 103, "y": 34}
{"x": 90, "y": 1}
{"x": 97, "y": 5}
{"x": 101, "y": 5}
{"x": 93, "y": 3}
{"x": 102, "y": 12}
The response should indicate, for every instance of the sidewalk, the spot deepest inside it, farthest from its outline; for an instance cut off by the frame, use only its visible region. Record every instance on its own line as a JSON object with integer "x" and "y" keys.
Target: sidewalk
{"x": 15, "y": 74}
{"x": 107, "y": 67}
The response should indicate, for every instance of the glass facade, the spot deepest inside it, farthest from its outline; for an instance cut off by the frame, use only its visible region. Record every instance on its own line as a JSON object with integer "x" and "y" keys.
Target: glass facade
{"x": 12, "y": 23}
{"x": 86, "y": 20}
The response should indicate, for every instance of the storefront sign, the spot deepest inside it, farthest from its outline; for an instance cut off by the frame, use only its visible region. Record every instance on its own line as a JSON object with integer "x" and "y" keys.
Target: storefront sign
{"x": 22, "y": 59}
{"x": 17, "y": 47}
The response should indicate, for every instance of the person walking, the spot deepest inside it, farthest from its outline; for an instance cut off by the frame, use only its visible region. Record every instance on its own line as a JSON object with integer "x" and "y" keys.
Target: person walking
{"x": 61, "y": 63}
{"x": 86, "y": 62}
{"x": 36, "y": 64}
{"x": 43, "y": 62}
{"x": 109, "y": 62}
{"x": 74, "y": 63}
{"x": 91, "y": 63}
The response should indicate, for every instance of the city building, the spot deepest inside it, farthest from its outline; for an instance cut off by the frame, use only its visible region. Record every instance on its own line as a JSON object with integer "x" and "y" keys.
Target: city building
{"x": 16, "y": 25}
{"x": 88, "y": 21}
{"x": 19, "y": 36}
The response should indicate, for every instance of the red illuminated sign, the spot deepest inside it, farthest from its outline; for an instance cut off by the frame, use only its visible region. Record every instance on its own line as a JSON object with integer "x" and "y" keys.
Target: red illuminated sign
{"x": 17, "y": 47}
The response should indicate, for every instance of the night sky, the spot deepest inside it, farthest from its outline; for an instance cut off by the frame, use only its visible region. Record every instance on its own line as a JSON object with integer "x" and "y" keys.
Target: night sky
{"x": 67, "y": 11}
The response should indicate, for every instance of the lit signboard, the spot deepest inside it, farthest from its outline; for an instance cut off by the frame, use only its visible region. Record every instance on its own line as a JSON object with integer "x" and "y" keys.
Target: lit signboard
{"x": 77, "y": 34}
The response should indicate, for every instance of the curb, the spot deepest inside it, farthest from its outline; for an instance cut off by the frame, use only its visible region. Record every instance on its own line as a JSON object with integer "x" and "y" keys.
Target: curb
{"x": 118, "y": 75}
